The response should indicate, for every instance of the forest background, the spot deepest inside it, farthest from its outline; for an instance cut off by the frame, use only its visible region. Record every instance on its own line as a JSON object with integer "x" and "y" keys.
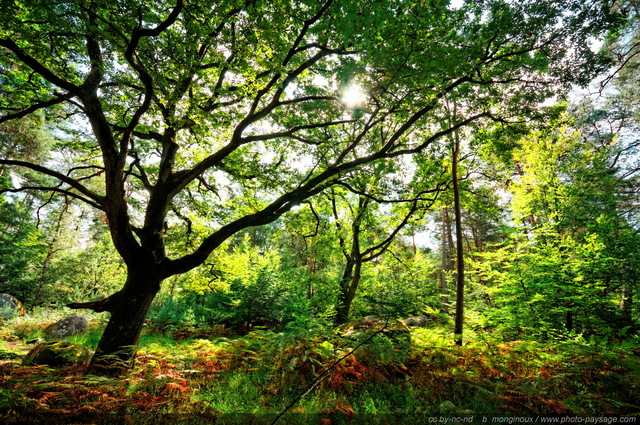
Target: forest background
{"x": 197, "y": 170}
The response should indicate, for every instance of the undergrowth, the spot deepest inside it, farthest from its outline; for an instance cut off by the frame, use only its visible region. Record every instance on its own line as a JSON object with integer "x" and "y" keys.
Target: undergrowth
{"x": 31, "y": 326}
{"x": 253, "y": 378}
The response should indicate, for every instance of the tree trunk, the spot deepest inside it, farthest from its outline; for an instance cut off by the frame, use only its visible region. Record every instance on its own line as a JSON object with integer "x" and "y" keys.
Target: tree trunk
{"x": 569, "y": 320}
{"x": 459, "y": 247}
{"x": 626, "y": 304}
{"x": 348, "y": 287}
{"x": 116, "y": 350}
{"x": 446, "y": 264}
{"x": 310, "y": 271}
{"x": 352, "y": 271}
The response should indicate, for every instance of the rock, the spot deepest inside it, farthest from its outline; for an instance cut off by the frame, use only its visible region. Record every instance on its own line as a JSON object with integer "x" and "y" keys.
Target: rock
{"x": 57, "y": 353}
{"x": 421, "y": 321}
{"x": 64, "y": 328}
{"x": 368, "y": 322}
{"x": 10, "y": 306}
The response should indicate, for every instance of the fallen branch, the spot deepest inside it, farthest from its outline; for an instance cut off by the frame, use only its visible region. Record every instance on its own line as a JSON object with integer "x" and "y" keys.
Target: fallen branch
{"x": 325, "y": 373}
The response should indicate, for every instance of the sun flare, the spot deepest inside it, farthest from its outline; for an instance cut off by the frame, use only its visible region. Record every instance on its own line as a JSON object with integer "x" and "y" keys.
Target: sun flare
{"x": 353, "y": 96}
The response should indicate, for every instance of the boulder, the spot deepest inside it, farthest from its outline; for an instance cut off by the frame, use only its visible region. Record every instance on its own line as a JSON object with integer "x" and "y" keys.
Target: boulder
{"x": 10, "y": 307}
{"x": 64, "y": 328}
{"x": 421, "y": 321}
{"x": 57, "y": 353}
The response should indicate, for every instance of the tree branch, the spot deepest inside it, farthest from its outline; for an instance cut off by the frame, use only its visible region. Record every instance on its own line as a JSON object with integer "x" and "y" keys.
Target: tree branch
{"x": 290, "y": 133}
{"x": 387, "y": 201}
{"x": 106, "y": 304}
{"x": 98, "y": 200}
{"x": 38, "y": 67}
{"x": 146, "y": 79}
{"x": 371, "y": 254}
{"x": 325, "y": 372}
{"x": 53, "y": 189}
{"x": 40, "y": 105}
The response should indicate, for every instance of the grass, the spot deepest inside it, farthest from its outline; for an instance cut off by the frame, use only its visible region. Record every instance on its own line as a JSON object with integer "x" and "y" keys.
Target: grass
{"x": 253, "y": 378}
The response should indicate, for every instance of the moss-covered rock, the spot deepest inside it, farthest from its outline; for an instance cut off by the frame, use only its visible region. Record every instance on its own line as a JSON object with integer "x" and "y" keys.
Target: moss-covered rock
{"x": 57, "y": 353}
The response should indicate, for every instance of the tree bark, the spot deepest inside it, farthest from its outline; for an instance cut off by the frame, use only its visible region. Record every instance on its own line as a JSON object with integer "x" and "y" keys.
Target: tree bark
{"x": 348, "y": 287}
{"x": 459, "y": 321}
{"x": 116, "y": 350}
{"x": 446, "y": 264}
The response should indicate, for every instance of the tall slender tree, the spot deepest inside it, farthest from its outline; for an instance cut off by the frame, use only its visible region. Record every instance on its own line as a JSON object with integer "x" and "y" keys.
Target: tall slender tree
{"x": 459, "y": 318}
{"x": 363, "y": 234}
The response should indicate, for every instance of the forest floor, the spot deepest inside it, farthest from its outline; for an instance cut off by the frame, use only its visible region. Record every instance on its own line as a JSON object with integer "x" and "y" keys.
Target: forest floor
{"x": 251, "y": 379}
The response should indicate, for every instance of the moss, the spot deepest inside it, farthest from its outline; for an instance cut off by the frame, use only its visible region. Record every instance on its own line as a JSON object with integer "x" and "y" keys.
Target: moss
{"x": 58, "y": 353}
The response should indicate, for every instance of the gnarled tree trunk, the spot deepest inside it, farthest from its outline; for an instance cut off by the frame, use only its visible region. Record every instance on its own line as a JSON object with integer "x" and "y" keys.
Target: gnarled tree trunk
{"x": 128, "y": 307}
